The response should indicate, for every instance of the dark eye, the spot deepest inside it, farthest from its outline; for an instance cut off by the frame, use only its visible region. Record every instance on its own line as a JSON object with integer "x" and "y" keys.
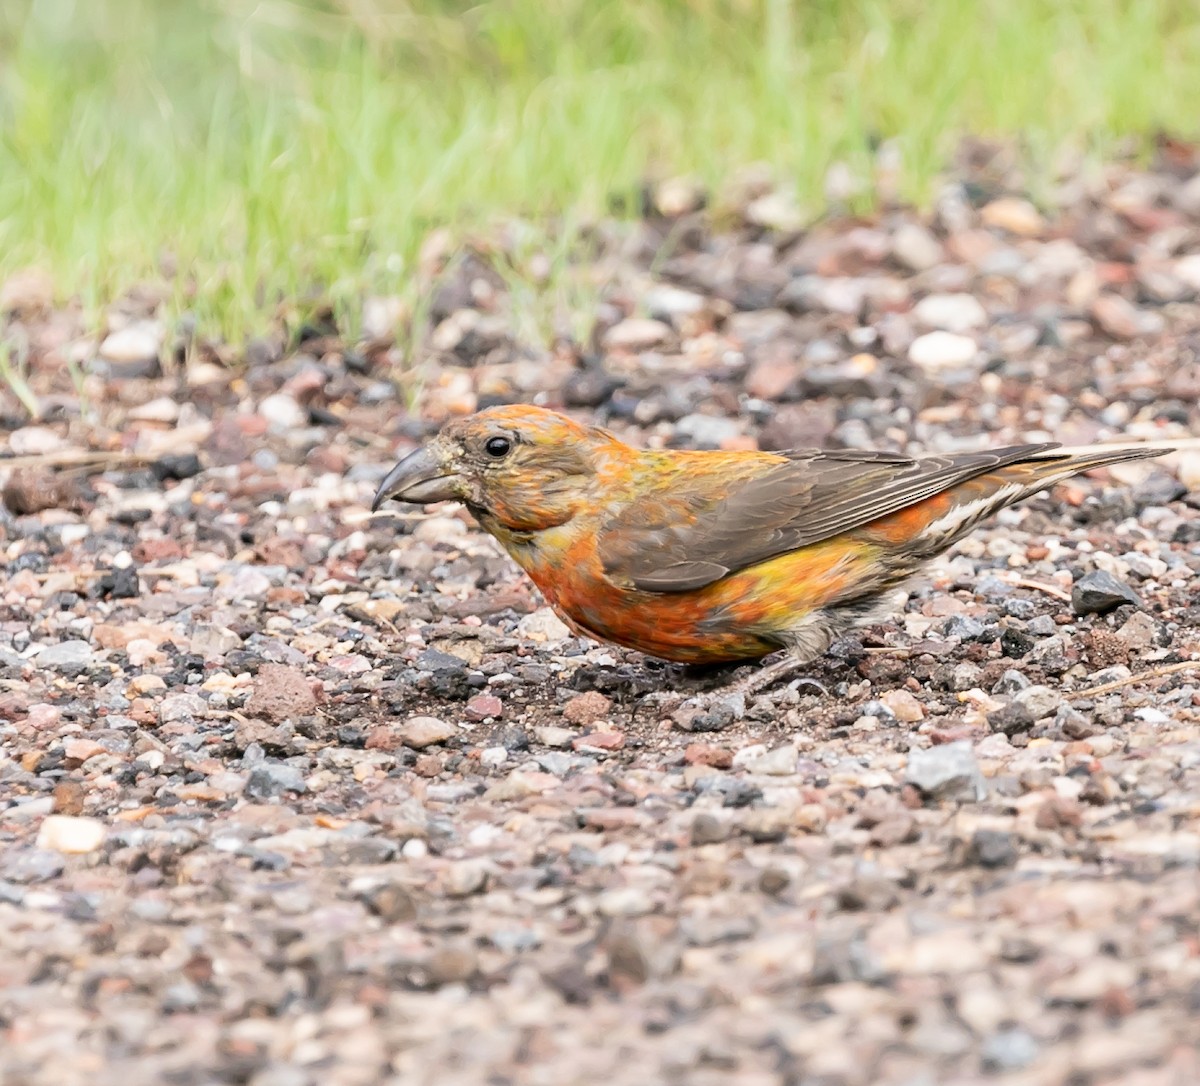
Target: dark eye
{"x": 497, "y": 447}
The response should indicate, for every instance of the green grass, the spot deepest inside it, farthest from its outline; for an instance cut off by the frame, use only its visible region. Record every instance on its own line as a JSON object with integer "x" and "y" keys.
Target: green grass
{"x": 278, "y": 149}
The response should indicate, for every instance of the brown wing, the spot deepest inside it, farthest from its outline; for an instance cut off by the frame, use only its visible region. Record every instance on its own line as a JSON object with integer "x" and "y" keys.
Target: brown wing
{"x": 700, "y": 528}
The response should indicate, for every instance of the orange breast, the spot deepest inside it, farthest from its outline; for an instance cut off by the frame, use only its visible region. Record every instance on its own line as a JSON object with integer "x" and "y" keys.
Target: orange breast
{"x": 740, "y": 617}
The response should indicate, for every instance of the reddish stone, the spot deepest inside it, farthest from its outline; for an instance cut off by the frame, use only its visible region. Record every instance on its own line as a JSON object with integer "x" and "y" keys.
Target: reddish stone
{"x": 482, "y": 706}
{"x": 587, "y": 708}
{"x": 707, "y": 754}
{"x": 599, "y": 741}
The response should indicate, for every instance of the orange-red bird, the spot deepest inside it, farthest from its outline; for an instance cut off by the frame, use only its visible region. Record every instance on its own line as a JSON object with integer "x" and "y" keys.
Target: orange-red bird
{"x": 706, "y": 557}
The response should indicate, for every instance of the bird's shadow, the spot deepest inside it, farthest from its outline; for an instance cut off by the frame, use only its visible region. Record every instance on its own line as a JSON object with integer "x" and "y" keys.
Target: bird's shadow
{"x": 639, "y": 676}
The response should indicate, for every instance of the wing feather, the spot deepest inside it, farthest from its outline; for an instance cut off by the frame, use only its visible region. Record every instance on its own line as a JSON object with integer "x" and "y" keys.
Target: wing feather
{"x": 705, "y": 525}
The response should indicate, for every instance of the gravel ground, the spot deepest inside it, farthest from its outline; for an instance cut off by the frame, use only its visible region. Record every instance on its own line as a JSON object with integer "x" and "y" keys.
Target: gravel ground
{"x": 293, "y": 795}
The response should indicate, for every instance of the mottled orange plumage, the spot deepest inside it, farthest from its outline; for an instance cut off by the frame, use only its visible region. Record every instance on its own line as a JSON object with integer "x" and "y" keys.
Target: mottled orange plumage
{"x": 706, "y": 557}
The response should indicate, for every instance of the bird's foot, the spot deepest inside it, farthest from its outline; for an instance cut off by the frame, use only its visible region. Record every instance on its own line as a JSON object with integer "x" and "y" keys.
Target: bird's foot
{"x": 717, "y": 709}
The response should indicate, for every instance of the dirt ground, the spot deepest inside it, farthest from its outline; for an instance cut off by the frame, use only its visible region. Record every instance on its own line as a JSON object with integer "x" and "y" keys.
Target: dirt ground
{"x": 292, "y": 795}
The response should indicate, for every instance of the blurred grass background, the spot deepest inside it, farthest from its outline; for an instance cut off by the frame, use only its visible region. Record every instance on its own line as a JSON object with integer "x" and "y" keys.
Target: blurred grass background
{"x": 265, "y": 149}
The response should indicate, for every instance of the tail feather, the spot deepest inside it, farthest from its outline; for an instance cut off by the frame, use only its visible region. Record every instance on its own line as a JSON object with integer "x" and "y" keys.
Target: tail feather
{"x": 1041, "y": 469}
{"x": 1055, "y": 465}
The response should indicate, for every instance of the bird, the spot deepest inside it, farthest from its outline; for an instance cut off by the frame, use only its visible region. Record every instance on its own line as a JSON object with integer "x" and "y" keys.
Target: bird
{"x": 717, "y": 557}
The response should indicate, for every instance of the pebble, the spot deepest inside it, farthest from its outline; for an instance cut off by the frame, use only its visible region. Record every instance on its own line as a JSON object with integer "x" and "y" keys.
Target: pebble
{"x": 586, "y": 709}
{"x": 949, "y": 771}
{"x": 993, "y": 848}
{"x": 30, "y": 865}
{"x": 636, "y": 334}
{"x": 65, "y": 655}
{"x": 270, "y": 779}
{"x": 1009, "y": 1049}
{"x": 282, "y": 412}
{"x": 139, "y": 342}
{"x": 543, "y": 625}
{"x": 1098, "y": 592}
{"x": 959, "y": 313}
{"x": 903, "y": 706}
{"x": 465, "y": 878}
{"x": 915, "y": 248}
{"x": 419, "y": 732}
{"x": 483, "y": 707}
{"x": 281, "y": 692}
{"x": 942, "y": 350}
{"x": 780, "y": 762}
{"x": 1013, "y": 214}
{"x": 71, "y": 835}
{"x": 1039, "y": 701}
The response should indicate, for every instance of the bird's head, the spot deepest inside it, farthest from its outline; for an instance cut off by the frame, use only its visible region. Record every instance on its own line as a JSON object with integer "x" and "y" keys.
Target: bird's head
{"x": 522, "y": 468}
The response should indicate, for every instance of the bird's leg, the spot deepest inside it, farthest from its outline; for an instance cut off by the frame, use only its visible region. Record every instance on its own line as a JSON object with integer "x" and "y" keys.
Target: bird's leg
{"x": 725, "y": 699}
{"x": 770, "y": 674}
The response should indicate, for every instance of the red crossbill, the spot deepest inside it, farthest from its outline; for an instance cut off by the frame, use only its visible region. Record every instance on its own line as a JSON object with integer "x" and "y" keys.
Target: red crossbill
{"x": 710, "y": 557}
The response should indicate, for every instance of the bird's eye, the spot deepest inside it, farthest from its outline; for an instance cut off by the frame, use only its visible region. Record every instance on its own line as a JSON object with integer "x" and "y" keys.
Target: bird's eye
{"x": 497, "y": 447}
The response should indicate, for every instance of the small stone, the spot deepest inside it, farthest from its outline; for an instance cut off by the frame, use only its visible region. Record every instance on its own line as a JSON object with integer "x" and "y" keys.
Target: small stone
{"x": 1010, "y": 682}
{"x": 636, "y": 334}
{"x": 950, "y": 313}
{"x": 140, "y": 685}
{"x": 1058, "y": 813}
{"x": 186, "y": 707}
{"x": 949, "y": 771}
{"x": 465, "y": 878}
{"x": 586, "y": 709}
{"x": 483, "y": 707}
{"x": 71, "y": 835}
{"x": 43, "y": 716}
{"x": 68, "y": 798}
{"x": 769, "y": 378}
{"x": 707, "y": 431}
{"x": 139, "y": 342}
{"x": 1011, "y": 719}
{"x": 419, "y": 732}
{"x": 213, "y": 642}
{"x": 1139, "y": 631}
{"x": 1097, "y": 593}
{"x": 707, "y": 754}
{"x": 452, "y": 965}
{"x": 1189, "y": 464}
{"x": 493, "y": 757}
{"x": 1013, "y": 214}
{"x": 776, "y": 211}
{"x": 65, "y": 655}
{"x": 282, "y": 412}
{"x": 1009, "y": 1049}
{"x": 709, "y": 829}
{"x": 553, "y": 737}
{"x": 897, "y": 829}
{"x": 281, "y": 692}
{"x": 678, "y": 196}
{"x": 624, "y": 901}
{"x": 942, "y": 350}
{"x": 1073, "y": 724}
{"x": 1121, "y": 319}
{"x": 543, "y": 625}
{"x": 599, "y": 741}
{"x": 992, "y": 848}
{"x": 903, "y": 706}
{"x": 1040, "y": 701}
{"x": 270, "y": 779}
{"x": 780, "y": 762}
{"x": 80, "y": 750}
{"x": 29, "y": 865}
{"x": 915, "y": 248}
